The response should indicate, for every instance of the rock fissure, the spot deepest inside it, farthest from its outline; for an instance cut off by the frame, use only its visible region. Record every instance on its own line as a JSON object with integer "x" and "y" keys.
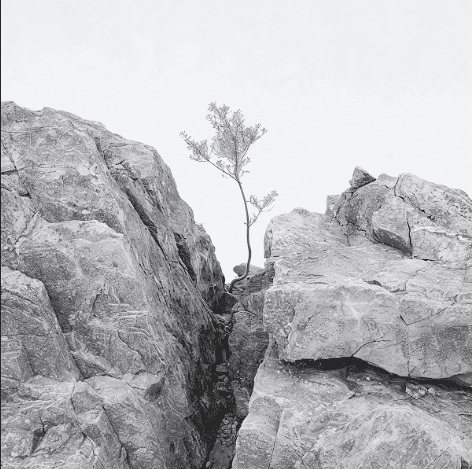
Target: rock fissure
{"x": 165, "y": 350}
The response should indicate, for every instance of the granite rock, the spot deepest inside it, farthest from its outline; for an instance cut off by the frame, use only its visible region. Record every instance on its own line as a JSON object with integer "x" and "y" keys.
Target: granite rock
{"x": 109, "y": 284}
{"x": 303, "y": 416}
{"x": 342, "y": 289}
{"x": 370, "y": 318}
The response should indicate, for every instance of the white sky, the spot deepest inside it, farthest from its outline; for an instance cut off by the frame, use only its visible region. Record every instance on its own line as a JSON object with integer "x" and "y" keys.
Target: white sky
{"x": 386, "y": 85}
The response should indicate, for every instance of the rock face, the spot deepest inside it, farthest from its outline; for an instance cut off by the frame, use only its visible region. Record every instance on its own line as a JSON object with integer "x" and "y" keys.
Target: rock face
{"x": 108, "y": 339}
{"x": 384, "y": 279}
{"x": 248, "y": 340}
{"x": 303, "y": 417}
{"x": 246, "y": 345}
{"x": 376, "y": 282}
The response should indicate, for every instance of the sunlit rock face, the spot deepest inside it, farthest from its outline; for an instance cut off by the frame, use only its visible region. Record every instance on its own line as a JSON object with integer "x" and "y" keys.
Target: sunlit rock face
{"x": 382, "y": 281}
{"x": 108, "y": 341}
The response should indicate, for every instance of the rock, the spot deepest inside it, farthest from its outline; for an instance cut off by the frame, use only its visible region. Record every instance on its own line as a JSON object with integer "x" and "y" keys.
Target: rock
{"x": 32, "y": 342}
{"x": 360, "y": 177}
{"x": 248, "y": 339}
{"x": 240, "y": 288}
{"x": 247, "y": 343}
{"x": 332, "y": 201}
{"x": 138, "y": 423}
{"x": 370, "y": 317}
{"x": 107, "y": 278}
{"x": 222, "y": 453}
{"x": 17, "y": 213}
{"x": 427, "y": 220}
{"x": 338, "y": 294}
{"x": 240, "y": 269}
{"x": 241, "y": 397}
{"x": 305, "y": 417}
{"x": 61, "y": 424}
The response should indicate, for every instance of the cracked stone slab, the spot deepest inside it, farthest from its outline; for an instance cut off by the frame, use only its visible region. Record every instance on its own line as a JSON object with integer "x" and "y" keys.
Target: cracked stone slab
{"x": 342, "y": 289}
{"x": 58, "y": 424}
{"x": 304, "y": 416}
{"x": 32, "y": 341}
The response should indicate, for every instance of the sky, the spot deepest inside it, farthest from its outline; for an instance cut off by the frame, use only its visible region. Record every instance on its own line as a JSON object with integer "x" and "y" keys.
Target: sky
{"x": 385, "y": 85}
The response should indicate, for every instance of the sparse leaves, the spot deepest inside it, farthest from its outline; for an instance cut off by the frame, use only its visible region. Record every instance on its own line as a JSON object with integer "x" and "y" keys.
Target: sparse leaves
{"x": 231, "y": 142}
{"x": 261, "y": 205}
{"x": 227, "y": 152}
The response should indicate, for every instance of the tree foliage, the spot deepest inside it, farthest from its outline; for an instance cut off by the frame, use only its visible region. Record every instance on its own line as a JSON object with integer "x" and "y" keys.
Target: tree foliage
{"x": 227, "y": 152}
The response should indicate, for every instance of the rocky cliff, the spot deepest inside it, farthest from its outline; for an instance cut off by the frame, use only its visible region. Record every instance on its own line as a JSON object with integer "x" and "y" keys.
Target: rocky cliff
{"x": 370, "y": 317}
{"x": 108, "y": 287}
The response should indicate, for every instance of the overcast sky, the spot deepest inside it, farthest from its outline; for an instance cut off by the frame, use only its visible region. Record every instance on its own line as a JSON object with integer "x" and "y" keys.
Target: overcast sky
{"x": 386, "y": 85}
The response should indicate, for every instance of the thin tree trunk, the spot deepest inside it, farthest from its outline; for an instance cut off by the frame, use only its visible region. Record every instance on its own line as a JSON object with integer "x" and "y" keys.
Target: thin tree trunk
{"x": 249, "y": 252}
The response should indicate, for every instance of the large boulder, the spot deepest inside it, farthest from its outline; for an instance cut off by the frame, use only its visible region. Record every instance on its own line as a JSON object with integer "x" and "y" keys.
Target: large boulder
{"x": 390, "y": 287}
{"x": 248, "y": 339}
{"x": 304, "y": 417}
{"x": 106, "y": 279}
{"x": 370, "y": 320}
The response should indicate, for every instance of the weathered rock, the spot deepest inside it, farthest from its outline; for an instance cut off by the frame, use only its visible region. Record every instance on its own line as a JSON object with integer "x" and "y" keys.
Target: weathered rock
{"x": 59, "y": 424}
{"x": 129, "y": 278}
{"x": 32, "y": 342}
{"x": 248, "y": 340}
{"x": 240, "y": 288}
{"x": 428, "y": 220}
{"x": 302, "y": 416}
{"x": 240, "y": 269}
{"x": 385, "y": 276}
{"x": 223, "y": 452}
{"x": 337, "y": 294}
{"x": 360, "y": 177}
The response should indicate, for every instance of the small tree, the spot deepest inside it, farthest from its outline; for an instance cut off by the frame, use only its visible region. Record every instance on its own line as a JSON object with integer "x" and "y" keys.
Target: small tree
{"x": 227, "y": 153}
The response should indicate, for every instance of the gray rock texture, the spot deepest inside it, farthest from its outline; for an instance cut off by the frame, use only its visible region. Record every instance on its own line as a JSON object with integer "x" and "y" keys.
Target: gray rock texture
{"x": 399, "y": 296}
{"x": 248, "y": 340}
{"x": 304, "y": 417}
{"x": 383, "y": 285}
{"x": 108, "y": 339}
{"x": 246, "y": 345}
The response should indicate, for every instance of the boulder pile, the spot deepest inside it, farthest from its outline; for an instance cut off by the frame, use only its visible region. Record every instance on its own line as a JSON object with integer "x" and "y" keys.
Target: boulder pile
{"x": 370, "y": 315}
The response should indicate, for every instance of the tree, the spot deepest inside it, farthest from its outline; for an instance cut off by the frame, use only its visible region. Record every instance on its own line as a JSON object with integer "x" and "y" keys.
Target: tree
{"x": 227, "y": 153}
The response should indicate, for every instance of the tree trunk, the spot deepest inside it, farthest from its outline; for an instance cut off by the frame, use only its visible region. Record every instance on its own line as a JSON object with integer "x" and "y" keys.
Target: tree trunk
{"x": 249, "y": 252}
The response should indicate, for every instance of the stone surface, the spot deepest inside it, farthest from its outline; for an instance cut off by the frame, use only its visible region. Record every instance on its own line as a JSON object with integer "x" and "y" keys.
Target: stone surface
{"x": 59, "y": 424}
{"x": 248, "y": 339}
{"x": 240, "y": 288}
{"x": 222, "y": 453}
{"x": 356, "y": 286}
{"x": 370, "y": 317}
{"x": 246, "y": 345}
{"x": 32, "y": 342}
{"x": 106, "y": 279}
{"x": 306, "y": 417}
{"x": 360, "y": 177}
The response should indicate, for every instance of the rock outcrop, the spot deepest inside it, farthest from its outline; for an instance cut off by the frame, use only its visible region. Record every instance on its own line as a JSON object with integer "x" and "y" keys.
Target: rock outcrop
{"x": 246, "y": 345}
{"x": 304, "y": 417}
{"x": 248, "y": 340}
{"x": 108, "y": 286}
{"x": 383, "y": 285}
